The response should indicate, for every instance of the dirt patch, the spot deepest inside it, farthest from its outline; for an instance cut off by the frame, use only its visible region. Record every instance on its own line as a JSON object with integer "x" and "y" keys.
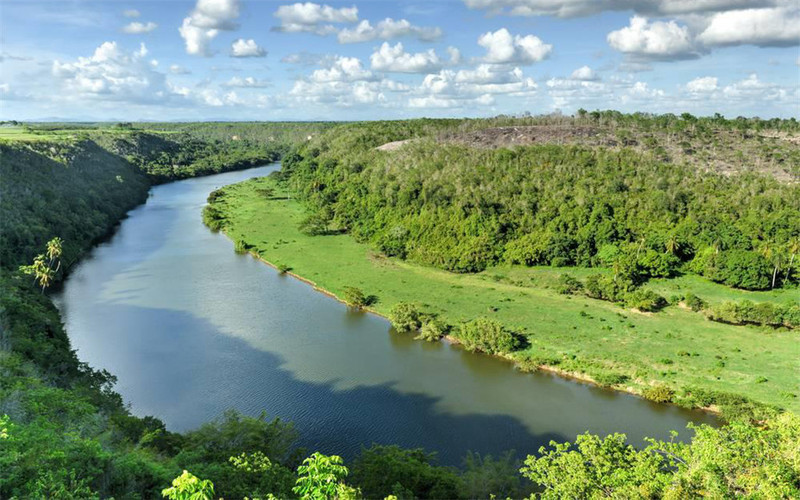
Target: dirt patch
{"x": 499, "y": 137}
{"x": 391, "y": 146}
{"x": 723, "y": 152}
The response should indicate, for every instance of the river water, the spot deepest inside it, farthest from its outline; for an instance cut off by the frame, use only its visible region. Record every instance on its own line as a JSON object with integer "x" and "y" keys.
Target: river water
{"x": 191, "y": 329}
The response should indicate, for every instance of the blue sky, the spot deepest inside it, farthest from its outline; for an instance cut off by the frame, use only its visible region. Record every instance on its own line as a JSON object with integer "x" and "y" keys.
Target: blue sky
{"x": 268, "y": 60}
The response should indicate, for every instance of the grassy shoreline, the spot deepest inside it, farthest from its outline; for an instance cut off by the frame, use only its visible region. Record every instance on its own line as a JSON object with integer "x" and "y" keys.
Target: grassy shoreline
{"x": 572, "y": 336}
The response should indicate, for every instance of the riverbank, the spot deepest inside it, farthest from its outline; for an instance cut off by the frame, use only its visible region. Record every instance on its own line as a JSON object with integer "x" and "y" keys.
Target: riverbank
{"x": 590, "y": 340}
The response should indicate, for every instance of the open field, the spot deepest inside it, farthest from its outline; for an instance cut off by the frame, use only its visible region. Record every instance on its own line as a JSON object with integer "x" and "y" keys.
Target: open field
{"x": 579, "y": 335}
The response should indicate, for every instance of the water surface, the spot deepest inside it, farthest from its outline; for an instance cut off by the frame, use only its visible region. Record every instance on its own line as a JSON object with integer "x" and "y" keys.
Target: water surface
{"x": 191, "y": 329}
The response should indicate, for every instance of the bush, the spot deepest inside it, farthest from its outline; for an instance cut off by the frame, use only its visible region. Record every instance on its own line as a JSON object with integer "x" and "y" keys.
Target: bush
{"x": 487, "y": 335}
{"x": 568, "y": 284}
{"x": 213, "y": 218}
{"x": 645, "y": 300}
{"x": 694, "y": 302}
{"x": 433, "y": 330}
{"x": 608, "y": 379}
{"x": 354, "y": 297}
{"x": 240, "y": 247}
{"x": 763, "y": 313}
{"x": 659, "y": 394}
{"x": 737, "y": 268}
{"x": 605, "y": 287}
{"x": 406, "y": 317}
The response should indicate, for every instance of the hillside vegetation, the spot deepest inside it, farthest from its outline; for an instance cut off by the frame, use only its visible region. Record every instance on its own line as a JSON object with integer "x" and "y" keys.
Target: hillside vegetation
{"x": 65, "y": 433}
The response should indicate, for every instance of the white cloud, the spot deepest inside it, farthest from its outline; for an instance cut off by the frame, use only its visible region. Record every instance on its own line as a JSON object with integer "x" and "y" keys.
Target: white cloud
{"x": 471, "y": 87}
{"x": 762, "y": 27}
{"x": 503, "y": 48}
{"x": 643, "y": 90}
{"x": 658, "y": 40}
{"x": 395, "y": 59}
{"x": 247, "y": 82}
{"x": 345, "y": 83}
{"x": 342, "y": 69}
{"x": 702, "y": 85}
{"x": 113, "y": 74}
{"x": 584, "y": 73}
{"x": 313, "y": 18}
{"x": 578, "y": 8}
{"x": 247, "y": 48}
{"x": 131, "y": 13}
{"x": 455, "y": 55}
{"x": 176, "y": 69}
{"x": 137, "y": 28}
{"x": 387, "y": 30}
{"x": 208, "y": 18}
{"x": 342, "y": 93}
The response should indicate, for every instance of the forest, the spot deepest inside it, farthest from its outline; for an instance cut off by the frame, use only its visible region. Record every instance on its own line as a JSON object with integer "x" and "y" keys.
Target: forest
{"x": 435, "y": 201}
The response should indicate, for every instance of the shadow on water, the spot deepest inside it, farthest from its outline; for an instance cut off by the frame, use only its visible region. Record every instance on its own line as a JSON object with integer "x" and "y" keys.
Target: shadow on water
{"x": 185, "y": 379}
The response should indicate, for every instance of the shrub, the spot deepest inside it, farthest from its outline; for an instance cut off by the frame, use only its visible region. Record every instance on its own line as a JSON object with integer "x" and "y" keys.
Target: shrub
{"x": 486, "y": 335}
{"x": 284, "y": 268}
{"x": 764, "y": 313}
{"x": 406, "y": 317}
{"x": 605, "y": 287}
{"x": 609, "y": 378}
{"x": 213, "y": 218}
{"x": 531, "y": 363}
{"x": 240, "y": 246}
{"x": 433, "y": 330}
{"x": 354, "y": 297}
{"x": 568, "y": 284}
{"x": 737, "y": 268}
{"x": 694, "y": 302}
{"x": 659, "y": 394}
{"x": 645, "y": 300}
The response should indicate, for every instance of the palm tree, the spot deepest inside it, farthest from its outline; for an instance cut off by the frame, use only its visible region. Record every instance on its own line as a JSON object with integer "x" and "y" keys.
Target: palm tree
{"x": 54, "y": 250}
{"x": 794, "y": 249}
{"x": 672, "y": 244}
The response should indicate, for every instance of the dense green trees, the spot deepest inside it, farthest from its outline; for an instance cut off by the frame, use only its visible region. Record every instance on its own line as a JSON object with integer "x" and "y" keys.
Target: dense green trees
{"x": 462, "y": 208}
{"x": 736, "y": 460}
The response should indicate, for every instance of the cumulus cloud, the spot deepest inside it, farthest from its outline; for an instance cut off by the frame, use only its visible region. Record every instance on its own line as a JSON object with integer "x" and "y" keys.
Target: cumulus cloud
{"x": 247, "y": 82}
{"x": 584, "y": 73}
{"x": 579, "y": 8}
{"x": 504, "y": 48}
{"x": 247, "y": 48}
{"x": 137, "y": 28}
{"x": 112, "y": 73}
{"x": 313, "y": 18}
{"x": 778, "y": 27}
{"x": 344, "y": 82}
{"x": 345, "y": 93}
{"x": 387, "y": 30}
{"x": 479, "y": 86}
{"x": 342, "y": 69}
{"x": 702, "y": 85}
{"x": 395, "y": 59}
{"x": 646, "y": 41}
{"x": 176, "y": 69}
{"x": 208, "y": 18}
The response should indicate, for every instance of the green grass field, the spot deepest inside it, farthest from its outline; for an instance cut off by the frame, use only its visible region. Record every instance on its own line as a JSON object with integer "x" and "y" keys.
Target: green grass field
{"x": 675, "y": 346}
{"x": 20, "y": 134}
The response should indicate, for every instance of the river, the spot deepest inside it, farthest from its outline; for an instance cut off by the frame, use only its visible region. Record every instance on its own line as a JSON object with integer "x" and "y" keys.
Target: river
{"x": 191, "y": 329}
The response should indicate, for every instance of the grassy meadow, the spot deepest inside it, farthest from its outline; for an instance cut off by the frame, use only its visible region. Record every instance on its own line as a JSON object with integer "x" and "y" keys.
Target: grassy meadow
{"x": 577, "y": 335}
